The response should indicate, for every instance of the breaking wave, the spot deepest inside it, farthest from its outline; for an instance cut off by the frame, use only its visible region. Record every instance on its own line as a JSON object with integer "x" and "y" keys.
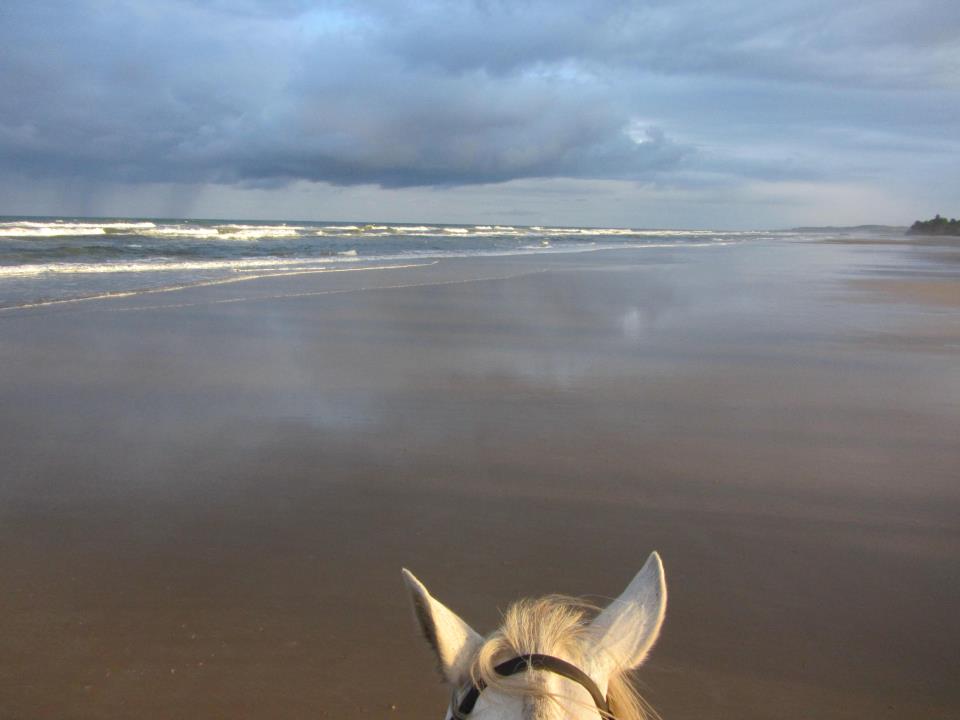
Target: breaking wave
{"x": 211, "y": 230}
{"x": 63, "y": 257}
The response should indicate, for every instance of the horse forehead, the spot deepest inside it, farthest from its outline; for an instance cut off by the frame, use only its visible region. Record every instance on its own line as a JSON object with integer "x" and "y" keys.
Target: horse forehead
{"x": 566, "y": 700}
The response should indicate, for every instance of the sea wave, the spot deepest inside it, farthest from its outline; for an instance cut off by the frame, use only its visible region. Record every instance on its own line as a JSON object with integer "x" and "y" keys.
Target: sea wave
{"x": 29, "y": 228}
{"x": 49, "y": 260}
{"x": 253, "y": 232}
{"x": 36, "y": 229}
{"x": 238, "y": 264}
{"x": 226, "y": 232}
{"x": 14, "y": 271}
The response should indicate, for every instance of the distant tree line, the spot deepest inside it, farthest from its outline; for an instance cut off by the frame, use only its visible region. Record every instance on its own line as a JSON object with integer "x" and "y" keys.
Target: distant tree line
{"x": 937, "y": 226}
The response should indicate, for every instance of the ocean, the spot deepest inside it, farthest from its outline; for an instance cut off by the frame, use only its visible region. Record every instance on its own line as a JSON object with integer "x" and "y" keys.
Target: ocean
{"x": 57, "y": 260}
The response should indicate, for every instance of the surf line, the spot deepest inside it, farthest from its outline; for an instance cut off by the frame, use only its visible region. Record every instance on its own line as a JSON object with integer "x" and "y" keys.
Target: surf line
{"x": 283, "y": 296}
{"x": 206, "y": 283}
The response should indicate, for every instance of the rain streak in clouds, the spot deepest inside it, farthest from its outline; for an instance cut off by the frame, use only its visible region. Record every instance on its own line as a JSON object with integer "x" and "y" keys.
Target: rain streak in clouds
{"x": 694, "y": 103}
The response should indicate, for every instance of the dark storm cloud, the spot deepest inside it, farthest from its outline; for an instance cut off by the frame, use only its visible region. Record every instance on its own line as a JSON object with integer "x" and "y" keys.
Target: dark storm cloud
{"x": 871, "y": 42}
{"x": 454, "y": 93}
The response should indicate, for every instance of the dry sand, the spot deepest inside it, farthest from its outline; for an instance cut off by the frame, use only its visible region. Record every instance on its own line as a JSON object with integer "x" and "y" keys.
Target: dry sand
{"x": 207, "y": 495}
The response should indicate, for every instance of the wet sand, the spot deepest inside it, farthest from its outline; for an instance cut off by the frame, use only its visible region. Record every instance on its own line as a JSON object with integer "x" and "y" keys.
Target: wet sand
{"x": 207, "y": 495}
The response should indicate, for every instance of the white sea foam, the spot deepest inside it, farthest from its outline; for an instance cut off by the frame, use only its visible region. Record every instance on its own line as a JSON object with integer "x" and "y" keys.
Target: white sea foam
{"x": 33, "y": 229}
{"x": 234, "y": 232}
{"x": 224, "y": 232}
{"x": 9, "y": 232}
{"x": 29, "y": 228}
{"x": 246, "y": 232}
{"x": 174, "y": 231}
{"x": 150, "y": 267}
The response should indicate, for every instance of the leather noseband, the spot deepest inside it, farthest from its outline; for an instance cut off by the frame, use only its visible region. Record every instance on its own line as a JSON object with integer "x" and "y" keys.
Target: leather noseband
{"x": 535, "y": 661}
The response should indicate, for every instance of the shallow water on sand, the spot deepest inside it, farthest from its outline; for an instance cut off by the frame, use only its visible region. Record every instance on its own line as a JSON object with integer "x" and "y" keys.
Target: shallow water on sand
{"x": 207, "y": 494}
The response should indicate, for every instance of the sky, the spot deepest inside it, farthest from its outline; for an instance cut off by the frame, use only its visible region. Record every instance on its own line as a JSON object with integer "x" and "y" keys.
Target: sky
{"x": 650, "y": 113}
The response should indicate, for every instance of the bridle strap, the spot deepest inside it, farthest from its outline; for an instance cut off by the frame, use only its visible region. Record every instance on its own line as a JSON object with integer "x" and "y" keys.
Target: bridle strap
{"x": 536, "y": 661}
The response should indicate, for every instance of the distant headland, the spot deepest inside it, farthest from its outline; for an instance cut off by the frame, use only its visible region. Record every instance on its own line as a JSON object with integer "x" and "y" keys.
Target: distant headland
{"x": 937, "y": 226}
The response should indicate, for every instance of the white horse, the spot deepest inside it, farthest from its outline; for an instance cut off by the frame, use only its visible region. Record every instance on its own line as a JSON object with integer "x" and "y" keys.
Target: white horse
{"x": 552, "y": 658}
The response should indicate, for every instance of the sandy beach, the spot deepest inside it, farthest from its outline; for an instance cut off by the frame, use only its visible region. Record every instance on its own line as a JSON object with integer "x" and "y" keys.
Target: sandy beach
{"x": 207, "y": 495}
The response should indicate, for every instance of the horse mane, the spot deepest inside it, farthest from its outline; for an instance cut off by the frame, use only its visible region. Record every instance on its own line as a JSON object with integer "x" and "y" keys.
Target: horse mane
{"x": 552, "y": 625}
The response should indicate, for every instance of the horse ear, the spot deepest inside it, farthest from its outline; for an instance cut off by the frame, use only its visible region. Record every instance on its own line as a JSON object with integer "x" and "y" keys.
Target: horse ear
{"x": 627, "y": 629}
{"x": 454, "y": 642}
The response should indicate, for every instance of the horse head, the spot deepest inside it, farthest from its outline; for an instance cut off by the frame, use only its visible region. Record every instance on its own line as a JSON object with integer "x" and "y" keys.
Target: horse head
{"x": 552, "y": 658}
